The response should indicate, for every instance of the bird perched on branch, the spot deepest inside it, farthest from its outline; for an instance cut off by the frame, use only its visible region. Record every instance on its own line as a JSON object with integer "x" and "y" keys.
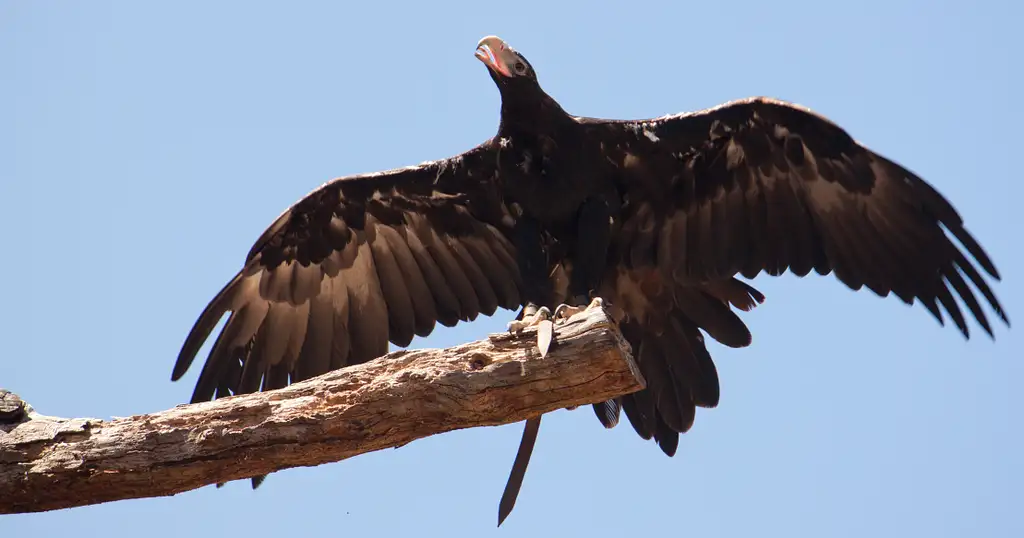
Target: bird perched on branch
{"x": 655, "y": 218}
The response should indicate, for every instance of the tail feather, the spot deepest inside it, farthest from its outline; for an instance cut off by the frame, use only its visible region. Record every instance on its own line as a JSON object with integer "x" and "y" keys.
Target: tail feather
{"x": 735, "y": 292}
{"x": 608, "y": 412}
{"x": 672, "y": 354}
{"x": 711, "y": 314}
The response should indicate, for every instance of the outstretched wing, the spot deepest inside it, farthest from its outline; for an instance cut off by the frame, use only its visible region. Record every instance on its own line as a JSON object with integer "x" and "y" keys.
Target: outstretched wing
{"x": 762, "y": 185}
{"x": 359, "y": 262}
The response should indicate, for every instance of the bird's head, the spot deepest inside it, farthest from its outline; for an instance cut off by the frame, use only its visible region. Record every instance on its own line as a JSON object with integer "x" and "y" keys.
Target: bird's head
{"x": 523, "y": 101}
{"x": 507, "y": 67}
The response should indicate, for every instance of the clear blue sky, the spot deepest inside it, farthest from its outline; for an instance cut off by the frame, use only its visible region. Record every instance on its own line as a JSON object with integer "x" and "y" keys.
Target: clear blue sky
{"x": 144, "y": 147}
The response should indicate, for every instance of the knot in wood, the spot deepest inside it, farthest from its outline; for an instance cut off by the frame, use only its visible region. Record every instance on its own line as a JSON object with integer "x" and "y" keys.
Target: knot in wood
{"x": 478, "y": 361}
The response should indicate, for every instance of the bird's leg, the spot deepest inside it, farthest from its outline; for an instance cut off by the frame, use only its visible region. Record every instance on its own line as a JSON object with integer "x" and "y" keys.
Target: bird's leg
{"x": 532, "y": 260}
{"x": 532, "y": 316}
{"x": 589, "y": 258}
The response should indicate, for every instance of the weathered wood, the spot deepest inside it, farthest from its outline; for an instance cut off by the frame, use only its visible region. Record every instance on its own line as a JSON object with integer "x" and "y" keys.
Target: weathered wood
{"x": 48, "y": 463}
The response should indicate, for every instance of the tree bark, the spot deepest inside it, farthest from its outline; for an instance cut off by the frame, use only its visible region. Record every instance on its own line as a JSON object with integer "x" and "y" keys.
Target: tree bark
{"x": 48, "y": 463}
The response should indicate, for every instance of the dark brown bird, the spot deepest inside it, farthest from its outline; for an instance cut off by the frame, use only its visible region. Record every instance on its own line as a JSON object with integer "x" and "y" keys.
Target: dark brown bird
{"x": 655, "y": 217}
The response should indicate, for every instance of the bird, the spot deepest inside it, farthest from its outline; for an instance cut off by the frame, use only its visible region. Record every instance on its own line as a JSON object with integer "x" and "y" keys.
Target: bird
{"x": 660, "y": 221}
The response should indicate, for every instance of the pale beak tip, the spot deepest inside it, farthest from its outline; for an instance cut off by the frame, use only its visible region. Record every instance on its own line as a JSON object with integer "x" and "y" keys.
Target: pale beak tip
{"x": 486, "y": 40}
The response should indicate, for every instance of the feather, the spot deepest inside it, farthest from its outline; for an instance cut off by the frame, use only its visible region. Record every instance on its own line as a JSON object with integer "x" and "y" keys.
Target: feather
{"x": 305, "y": 282}
{"x": 368, "y": 321}
{"x": 456, "y": 276}
{"x": 735, "y": 292}
{"x": 203, "y": 326}
{"x": 607, "y": 412}
{"x": 660, "y": 381}
{"x": 475, "y": 276}
{"x": 341, "y": 337}
{"x": 667, "y": 438}
{"x": 298, "y": 321}
{"x": 712, "y": 315}
{"x": 422, "y": 301}
{"x": 694, "y": 361}
{"x": 446, "y": 305}
{"x": 640, "y": 410}
{"x": 315, "y": 357}
{"x": 394, "y": 294}
{"x": 499, "y": 278}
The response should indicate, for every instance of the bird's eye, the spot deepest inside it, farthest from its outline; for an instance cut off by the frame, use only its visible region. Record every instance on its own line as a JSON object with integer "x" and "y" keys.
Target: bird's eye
{"x": 520, "y": 67}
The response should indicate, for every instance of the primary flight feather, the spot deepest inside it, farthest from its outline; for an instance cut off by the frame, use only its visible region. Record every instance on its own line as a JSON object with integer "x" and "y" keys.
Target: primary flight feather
{"x": 655, "y": 217}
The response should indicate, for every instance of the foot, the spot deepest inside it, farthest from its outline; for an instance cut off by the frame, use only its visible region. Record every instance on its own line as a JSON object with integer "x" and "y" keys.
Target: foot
{"x": 545, "y": 328}
{"x": 529, "y": 320}
{"x": 564, "y": 311}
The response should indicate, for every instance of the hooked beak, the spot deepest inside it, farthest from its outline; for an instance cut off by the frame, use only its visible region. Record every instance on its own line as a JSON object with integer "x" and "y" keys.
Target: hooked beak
{"x": 491, "y": 51}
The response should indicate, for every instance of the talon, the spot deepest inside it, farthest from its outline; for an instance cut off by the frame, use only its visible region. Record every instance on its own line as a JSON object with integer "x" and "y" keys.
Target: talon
{"x": 565, "y": 311}
{"x": 545, "y": 328}
{"x": 532, "y": 320}
{"x": 545, "y": 334}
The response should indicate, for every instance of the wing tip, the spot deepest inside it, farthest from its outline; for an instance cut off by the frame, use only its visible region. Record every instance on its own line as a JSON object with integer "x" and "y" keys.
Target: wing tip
{"x": 203, "y": 326}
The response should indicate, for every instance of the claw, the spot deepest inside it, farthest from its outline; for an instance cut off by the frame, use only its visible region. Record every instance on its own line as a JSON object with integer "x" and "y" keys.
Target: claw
{"x": 565, "y": 311}
{"x": 517, "y": 325}
{"x": 545, "y": 328}
{"x": 530, "y": 320}
{"x": 545, "y": 333}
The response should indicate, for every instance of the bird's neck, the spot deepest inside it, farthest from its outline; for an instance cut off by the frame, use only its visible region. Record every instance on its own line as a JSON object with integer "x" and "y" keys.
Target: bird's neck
{"x": 530, "y": 111}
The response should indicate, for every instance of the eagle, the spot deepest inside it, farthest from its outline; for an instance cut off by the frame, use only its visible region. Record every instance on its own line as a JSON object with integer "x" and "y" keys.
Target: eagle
{"x": 653, "y": 219}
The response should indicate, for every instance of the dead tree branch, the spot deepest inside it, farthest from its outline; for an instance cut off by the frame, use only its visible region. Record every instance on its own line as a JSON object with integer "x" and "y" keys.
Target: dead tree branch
{"x": 48, "y": 463}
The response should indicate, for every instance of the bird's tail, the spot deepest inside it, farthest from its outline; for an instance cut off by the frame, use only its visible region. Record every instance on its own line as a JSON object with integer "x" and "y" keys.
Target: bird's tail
{"x": 672, "y": 355}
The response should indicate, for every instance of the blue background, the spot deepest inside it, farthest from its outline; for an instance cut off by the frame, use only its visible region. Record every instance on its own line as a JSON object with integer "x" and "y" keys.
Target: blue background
{"x": 145, "y": 145}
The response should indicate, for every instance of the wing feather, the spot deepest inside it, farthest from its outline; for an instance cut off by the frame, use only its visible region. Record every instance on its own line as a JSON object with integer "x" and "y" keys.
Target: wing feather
{"x": 341, "y": 337}
{"x": 446, "y": 304}
{"x": 482, "y": 289}
{"x": 498, "y": 276}
{"x": 761, "y": 185}
{"x": 456, "y": 276}
{"x": 422, "y": 301}
{"x": 397, "y": 303}
{"x": 359, "y": 263}
{"x": 315, "y": 355}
